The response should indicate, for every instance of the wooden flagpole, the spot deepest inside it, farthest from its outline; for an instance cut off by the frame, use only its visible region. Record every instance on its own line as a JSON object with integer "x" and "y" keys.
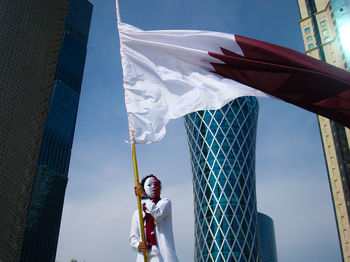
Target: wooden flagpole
{"x": 136, "y": 172}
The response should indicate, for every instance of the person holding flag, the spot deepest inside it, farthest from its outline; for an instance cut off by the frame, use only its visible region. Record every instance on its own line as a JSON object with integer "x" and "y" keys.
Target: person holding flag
{"x": 157, "y": 216}
{"x": 170, "y": 73}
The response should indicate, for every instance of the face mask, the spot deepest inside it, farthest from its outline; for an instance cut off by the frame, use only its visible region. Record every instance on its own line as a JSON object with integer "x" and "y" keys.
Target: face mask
{"x": 152, "y": 187}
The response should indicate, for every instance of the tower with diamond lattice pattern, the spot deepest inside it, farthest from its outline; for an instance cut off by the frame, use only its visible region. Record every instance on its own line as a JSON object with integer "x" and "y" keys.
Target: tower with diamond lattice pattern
{"x": 222, "y": 149}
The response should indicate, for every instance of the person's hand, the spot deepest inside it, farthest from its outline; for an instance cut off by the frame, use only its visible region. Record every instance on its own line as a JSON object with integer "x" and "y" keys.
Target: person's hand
{"x": 139, "y": 190}
{"x": 143, "y": 246}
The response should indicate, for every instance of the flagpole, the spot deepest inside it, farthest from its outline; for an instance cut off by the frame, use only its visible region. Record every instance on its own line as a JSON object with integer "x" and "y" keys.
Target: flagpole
{"x": 136, "y": 173}
{"x": 118, "y": 13}
{"x": 134, "y": 159}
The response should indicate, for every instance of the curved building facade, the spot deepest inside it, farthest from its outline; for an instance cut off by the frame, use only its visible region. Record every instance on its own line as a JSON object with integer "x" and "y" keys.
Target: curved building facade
{"x": 222, "y": 149}
{"x": 267, "y": 238}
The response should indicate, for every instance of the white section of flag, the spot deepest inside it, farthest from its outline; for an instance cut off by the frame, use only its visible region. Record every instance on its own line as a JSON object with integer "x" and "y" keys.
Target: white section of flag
{"x": 167, "y": 74}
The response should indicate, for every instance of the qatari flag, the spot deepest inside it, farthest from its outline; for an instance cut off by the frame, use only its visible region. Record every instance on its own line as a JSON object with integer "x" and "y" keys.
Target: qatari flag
{"x": 289, "y": 75}
{"x": 170, "y": 73}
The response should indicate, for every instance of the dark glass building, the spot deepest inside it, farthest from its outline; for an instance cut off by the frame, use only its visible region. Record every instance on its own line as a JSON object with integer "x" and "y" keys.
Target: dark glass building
{"x": 222, "y": 149}
{"x": 43, "y": 222}
{"x": 30, "y": 37}
{"x": 267, "y": 238}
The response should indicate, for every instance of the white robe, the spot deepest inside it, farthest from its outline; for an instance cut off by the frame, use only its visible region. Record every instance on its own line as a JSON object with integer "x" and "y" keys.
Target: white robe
{"x": 165, "y": 250}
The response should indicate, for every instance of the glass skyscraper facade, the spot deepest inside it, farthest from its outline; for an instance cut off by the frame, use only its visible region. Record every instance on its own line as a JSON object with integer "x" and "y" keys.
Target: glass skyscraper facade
{"x": 43, "y": 222}
{"x": 222, "y": 148}
{"x": 267, "y": 238}
{"x": 341, "y": 12}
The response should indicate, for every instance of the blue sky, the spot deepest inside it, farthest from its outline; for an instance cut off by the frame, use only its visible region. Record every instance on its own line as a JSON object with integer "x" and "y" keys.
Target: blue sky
{"x": 292, "y": 184}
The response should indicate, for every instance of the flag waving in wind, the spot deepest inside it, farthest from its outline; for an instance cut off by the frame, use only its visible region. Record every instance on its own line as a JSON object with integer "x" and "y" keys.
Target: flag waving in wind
{"x": 170, "y": 73}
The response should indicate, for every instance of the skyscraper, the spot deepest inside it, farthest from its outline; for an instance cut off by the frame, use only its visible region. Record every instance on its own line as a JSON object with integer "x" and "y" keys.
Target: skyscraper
{"x": 30, "y": 37}
{"x": 222, "y": 149}
{"x": 325, "y": 26}
{"x": 267, "y": 238}
{"x": 43, "y": 223}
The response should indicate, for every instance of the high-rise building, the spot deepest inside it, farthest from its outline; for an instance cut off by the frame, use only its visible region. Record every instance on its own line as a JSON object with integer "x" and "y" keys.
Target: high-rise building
{"x": 267, "y": 238}
{"x": 30, "y": 37}
{"x": 222, "y": 149}
{"x": 44, "y": 219}
{"x": 325, "y": 27}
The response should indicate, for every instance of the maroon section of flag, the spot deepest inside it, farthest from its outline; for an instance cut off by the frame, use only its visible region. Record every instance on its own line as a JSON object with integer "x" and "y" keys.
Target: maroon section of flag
{"x": 289, "y": 75}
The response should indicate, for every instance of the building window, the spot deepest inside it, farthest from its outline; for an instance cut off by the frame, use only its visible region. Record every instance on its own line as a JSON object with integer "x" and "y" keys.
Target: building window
{"x": 310, "y": 46}
{"x": 309, "y": 38}
{"x": 327, "y": 39}
{"x": 324, "y": 31}
{"x": 307, "y": 30}
{"x": 323, "y": 23}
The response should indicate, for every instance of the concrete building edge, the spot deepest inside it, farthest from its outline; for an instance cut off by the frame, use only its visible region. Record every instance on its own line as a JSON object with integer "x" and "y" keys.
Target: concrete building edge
{"x": 330, "y": 187}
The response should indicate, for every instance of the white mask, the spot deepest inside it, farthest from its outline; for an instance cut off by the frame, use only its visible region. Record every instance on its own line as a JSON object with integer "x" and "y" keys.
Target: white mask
{"x": 152, "y": 187}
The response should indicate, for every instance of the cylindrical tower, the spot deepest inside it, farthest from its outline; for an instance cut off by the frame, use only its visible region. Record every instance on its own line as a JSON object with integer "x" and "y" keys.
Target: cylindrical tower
{"x": 222, "y": 149}
{"x": 267, "y": 238}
